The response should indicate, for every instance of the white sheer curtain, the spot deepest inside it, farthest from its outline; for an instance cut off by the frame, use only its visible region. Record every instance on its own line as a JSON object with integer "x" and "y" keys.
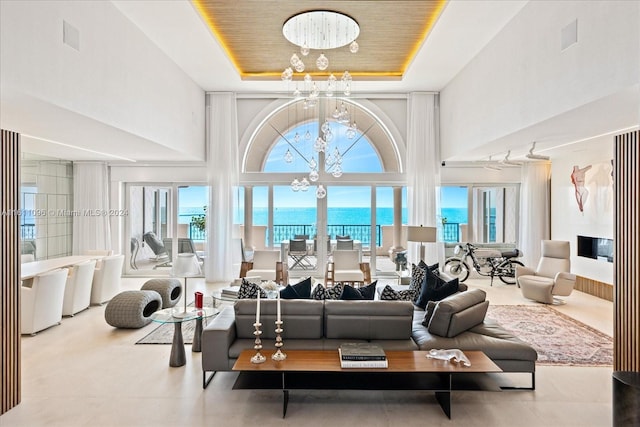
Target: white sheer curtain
{"x": 423, "y": 167}
{"x": 535, "y": 210}
{"x": 91, "y": 229}
{"x": 222, "y": 166}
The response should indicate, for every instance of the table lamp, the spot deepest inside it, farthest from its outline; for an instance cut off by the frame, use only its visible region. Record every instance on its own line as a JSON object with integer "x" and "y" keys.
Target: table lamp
{"x": 185, "y": 266}
{"x": 421, "y": 234}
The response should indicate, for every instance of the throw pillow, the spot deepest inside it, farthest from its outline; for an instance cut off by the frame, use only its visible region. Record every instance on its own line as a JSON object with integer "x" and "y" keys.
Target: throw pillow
{"x": 428, "y": 313}
{"x": 389, "y": 294}
{"x": 321, "y": 293}
{"x": 434, "y": 288}
{"x": 364, "y": 293}
{"x": 289, "y": 292}
{"x": 303, "y": 288}
{"x": 250, "y": 290}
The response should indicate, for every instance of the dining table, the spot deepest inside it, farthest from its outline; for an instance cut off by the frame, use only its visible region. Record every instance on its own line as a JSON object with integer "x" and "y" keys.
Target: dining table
{"x": 29, "y": 270}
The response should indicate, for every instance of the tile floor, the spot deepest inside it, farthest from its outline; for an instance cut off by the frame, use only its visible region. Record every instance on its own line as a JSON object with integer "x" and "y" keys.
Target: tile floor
{"x": 85, "y": 372}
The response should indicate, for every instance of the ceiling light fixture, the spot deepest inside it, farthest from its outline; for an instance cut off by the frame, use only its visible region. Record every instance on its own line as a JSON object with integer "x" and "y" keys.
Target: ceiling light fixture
{"x": 533, "y": 156}
{"x": 321, "y": 30}
{"x": 492, "y": 166}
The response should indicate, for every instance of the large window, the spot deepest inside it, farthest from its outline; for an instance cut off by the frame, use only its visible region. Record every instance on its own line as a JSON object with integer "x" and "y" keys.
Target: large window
{"x": 481, "y": 214}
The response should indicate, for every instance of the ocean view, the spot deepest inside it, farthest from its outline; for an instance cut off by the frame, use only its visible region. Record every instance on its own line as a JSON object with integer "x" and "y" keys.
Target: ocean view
{"x": 307, "y": 216}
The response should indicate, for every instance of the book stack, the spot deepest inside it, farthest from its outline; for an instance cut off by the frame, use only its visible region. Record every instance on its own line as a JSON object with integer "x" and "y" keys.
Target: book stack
{"x": 362, "y": 355}
{"x": 231, "y": 291}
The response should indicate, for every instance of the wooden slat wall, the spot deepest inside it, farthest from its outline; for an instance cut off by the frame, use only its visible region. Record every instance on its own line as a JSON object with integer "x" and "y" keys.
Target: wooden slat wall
{"x": 626, "y": 183}
{"x": 594, "y": 287}
{"x": 10, "y": 270}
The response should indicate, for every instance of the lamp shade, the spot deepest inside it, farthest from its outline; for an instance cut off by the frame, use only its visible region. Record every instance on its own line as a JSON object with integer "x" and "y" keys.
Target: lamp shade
{"x": 421, "y": 234}
{"x": 186, "y": 265}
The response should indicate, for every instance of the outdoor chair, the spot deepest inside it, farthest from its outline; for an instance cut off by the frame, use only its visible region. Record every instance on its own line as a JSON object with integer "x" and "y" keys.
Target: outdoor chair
{"x": 344, "y": 244}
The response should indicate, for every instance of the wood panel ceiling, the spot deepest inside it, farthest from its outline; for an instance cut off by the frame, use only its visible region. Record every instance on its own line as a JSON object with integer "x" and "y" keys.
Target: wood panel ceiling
{"x": 391, "y": 33}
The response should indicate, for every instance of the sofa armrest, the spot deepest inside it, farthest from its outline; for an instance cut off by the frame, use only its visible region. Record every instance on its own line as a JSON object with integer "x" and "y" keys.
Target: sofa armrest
{"x": 564, "y": 283}
{"x": 217, "y": 338}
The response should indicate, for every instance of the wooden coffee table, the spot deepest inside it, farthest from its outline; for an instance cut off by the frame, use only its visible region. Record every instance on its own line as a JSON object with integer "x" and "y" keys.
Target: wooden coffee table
{"x": 408, "y": 370}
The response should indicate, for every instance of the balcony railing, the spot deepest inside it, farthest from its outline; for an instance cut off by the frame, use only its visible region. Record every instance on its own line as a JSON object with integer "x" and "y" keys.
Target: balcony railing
{"x": 360, "y": 232}
{"x": 27, "y": 231}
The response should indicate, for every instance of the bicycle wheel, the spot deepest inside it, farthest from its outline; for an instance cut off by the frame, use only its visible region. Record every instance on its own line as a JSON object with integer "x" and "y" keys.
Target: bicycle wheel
{"x": 456, "y": 268}
{"x": 507, "y": 271}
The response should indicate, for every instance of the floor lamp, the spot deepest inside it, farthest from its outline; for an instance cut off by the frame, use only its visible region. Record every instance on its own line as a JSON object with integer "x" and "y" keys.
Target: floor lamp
{"x": 421, "y": 234}
{"x": 185, "y": 266}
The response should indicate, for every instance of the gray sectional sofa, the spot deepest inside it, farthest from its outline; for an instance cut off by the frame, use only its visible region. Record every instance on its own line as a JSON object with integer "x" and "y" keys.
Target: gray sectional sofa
{"x": 458, "y": 322}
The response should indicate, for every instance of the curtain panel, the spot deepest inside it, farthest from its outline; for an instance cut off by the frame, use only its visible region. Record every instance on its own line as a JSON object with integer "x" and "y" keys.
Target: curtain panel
{"x": 223, "y": 171}
{"x": 423, "y": 167}
{"x": 91, "y": 228}
{"x": 535, "y": 210}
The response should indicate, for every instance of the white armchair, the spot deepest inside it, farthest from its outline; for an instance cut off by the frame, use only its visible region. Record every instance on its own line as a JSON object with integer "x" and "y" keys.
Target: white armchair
{"x": 552, "y": 278}
{"x": 347, "y": 268}
{"x": 266, "y": 265}
{"x": 77, "y": 292}
{"x": 41, "y": 301}
{"x": 106, "y": 279}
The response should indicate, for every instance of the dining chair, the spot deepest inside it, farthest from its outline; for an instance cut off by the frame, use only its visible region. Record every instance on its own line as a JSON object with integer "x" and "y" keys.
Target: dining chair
{"x": 77, "y": 292}
{"x": 344, "y": 244}
{"x": 41, "y": 300}
{"x": 106, "y": 279}
{"x": 347, "y": 268}
{"x": 298, "y": 252}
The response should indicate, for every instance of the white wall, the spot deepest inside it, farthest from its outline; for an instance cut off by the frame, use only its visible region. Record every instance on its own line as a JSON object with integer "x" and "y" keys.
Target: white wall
{"x": 118, "y": 77}
{"x": 522, "y": 77}
{"x": 567, "y": 222}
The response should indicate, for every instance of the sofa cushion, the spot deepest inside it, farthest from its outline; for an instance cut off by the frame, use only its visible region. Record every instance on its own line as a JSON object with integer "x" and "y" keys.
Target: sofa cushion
{"x": 250, "y": 290}
{"x": 368, "y": 320}
{"x": 302, "y": 318}
{"x": 365, "y": 292}
{"x": 435, "y": 288}
{"x": 451, "y": 312}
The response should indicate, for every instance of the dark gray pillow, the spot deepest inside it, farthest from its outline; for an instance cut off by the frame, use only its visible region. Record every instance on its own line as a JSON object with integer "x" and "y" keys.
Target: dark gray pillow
{"x": 428, "y": 313}
{"x": 301, "y": 290}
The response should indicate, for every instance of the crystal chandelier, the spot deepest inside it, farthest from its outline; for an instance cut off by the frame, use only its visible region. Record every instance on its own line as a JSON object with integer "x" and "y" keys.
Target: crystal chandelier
{"x": 321, "y": 30}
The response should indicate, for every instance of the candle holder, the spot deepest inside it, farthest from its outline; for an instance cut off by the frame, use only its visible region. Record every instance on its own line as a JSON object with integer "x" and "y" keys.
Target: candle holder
{"x": 258, "y": 357}
{"x": 279, "y": 355}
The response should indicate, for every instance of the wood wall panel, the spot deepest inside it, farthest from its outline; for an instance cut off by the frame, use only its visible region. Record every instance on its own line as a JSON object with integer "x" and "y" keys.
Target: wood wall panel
{"x": 627, "y": 253}
{"x": 594, "y": 287}
{"x": 10, "y": 271}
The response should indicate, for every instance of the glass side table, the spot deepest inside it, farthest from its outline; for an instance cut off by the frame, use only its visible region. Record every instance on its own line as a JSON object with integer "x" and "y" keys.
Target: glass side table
{"x": 170, "y": 315}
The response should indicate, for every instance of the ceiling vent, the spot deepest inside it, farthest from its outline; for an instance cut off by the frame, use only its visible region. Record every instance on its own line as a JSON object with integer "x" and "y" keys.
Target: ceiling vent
{"x": 70, "y": 35}
{"x": 569, "y": 35}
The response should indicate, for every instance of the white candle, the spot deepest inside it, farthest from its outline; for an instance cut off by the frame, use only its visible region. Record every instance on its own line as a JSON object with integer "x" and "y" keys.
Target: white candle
{"x": 258, "y": 309}
{"x": 278, "y": 309}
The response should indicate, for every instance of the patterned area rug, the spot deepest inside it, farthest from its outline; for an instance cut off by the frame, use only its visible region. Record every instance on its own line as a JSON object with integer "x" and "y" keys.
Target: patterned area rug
{"x": 558, "y": 338}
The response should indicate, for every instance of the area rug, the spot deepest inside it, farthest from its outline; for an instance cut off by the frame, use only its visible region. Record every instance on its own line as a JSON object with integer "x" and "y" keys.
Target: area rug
{"x": 163, "y": 334}
{"x": 558, "y": 338}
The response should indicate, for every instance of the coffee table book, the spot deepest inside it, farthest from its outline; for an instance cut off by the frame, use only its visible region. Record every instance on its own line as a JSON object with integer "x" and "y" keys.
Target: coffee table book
{"x": 362, "y": 363}
{"x": 361, "y": 351}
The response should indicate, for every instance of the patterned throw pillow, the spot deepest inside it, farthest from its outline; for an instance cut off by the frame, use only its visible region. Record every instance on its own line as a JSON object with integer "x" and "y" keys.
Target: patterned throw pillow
{"x": 417, "y": 277}
{"x": 319, "y": 292}
{"x": 389, "y": 294}
{"x": 250, "y": 290}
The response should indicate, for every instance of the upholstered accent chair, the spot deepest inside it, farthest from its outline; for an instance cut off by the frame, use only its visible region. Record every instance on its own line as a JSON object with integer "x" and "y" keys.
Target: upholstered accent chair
{"x": 347, "y": 268}
{"x": 106, "y": 279}
{"x": 552, "y": 278}
{"x": 267, "y": 266}
{"x": 77, "y": 292}
{"x": 41, "y": 301}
